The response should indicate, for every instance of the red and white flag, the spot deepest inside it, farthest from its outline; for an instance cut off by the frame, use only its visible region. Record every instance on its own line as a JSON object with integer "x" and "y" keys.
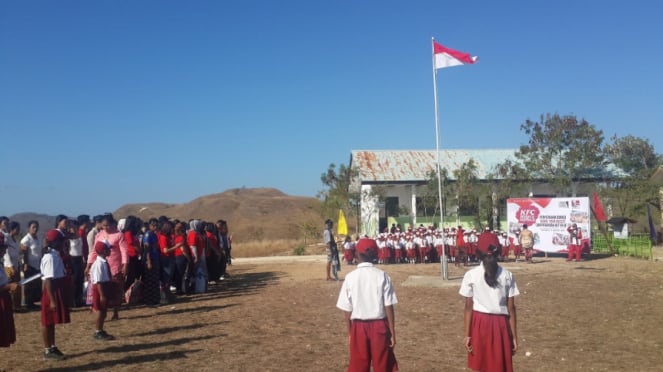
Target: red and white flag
{"x": 447, "y": 57}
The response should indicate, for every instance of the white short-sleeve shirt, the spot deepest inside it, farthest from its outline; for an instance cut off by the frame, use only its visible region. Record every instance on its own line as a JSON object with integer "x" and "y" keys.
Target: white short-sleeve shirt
{"x": 34, "y": 250}
{"x": 76, "y": 247}
{"x": 486, "y": 299}
{"x": 100, "y": 271}
{"x": 52, "y": 266}
{"x": 365, "y": 292}
{"x": 13, "y": 252}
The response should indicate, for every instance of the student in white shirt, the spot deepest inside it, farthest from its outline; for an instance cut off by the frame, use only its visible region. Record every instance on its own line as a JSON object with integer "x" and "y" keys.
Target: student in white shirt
{"x": 31, "y": 247}
{"x": 491, "y": 336}
{"x": 367, "y": 297}
{"x": 100, "y": 277}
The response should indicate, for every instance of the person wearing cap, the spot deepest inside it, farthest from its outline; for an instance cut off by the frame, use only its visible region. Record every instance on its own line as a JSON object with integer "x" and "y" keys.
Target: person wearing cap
{"x": 100, "y": 277}
{"x": 367, "y": 298}
{"x": 491, "y": 336}
{"x": 8, "y": 334}
{"x": 54, "y": 308}
{"x": 486, "y": 239}
{"x": 118, "y": 259}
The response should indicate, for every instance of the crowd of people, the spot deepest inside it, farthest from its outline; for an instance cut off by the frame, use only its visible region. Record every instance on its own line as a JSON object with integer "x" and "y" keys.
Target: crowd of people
{"x": 460, "y": 246}
{"x": 102, "y": 263}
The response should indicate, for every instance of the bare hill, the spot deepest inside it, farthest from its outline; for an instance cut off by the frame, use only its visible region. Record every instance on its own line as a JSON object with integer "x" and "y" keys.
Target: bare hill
{"x": 252, "y": 214}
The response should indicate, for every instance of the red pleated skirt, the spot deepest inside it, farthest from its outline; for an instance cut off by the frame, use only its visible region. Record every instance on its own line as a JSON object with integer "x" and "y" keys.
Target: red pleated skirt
{"x": 61, "y": 313}
{"x": 7, "y": 328}
{"x": 491, "y": 343}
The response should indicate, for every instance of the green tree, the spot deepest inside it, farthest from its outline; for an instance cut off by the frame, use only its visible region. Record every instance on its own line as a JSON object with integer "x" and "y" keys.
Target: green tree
{"x": 634, "y": 155}
{"x": 638, "y": 159}
{"x": 560, "y": 150}
{"x": 337, "y": 193}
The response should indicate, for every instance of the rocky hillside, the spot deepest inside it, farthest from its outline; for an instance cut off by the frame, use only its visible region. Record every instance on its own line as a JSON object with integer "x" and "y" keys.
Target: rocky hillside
{"x": 252, "y": 214}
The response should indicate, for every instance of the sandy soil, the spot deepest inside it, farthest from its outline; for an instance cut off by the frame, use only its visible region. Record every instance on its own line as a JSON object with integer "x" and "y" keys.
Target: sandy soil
{"x": 278, "y": 314}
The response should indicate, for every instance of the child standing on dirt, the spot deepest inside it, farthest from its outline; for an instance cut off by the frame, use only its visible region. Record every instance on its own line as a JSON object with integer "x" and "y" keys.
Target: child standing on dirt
{"x": 491, "y": 336}
{"x": 54, "y": 309}
{"x": 100, "y": 277}
{"x": 8, "y": 334}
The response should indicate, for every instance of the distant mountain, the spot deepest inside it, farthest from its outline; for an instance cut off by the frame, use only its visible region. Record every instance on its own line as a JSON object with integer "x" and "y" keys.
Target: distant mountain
{"x": 252, "y": 214}
{"x": 46, "y": 222}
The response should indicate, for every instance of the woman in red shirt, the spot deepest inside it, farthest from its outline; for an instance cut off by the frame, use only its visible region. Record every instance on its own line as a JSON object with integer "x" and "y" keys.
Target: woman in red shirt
{"x": 182, "y": 259}
{"x": 134, "y": 267}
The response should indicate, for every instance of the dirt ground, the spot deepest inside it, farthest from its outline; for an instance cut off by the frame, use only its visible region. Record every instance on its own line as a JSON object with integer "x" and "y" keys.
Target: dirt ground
{"x": 279, "y": 314}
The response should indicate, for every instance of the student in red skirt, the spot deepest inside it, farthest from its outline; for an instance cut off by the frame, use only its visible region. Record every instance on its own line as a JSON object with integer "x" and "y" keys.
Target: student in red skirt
{"x": 491, "y": 336}
{"x": 367, "y": 298}
{"x": 7, "y": 328}
{"x": 100, "y": 277}
{"x": 54, "y": 308}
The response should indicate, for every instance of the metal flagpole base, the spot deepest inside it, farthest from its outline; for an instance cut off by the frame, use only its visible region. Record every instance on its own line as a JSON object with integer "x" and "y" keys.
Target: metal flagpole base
{"x": 445, "y": 268}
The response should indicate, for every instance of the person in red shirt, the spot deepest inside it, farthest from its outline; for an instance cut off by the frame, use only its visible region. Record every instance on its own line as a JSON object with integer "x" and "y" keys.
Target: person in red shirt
{"x": 182, "y": 259}
{"x": 214, "y": 253}
{"x": 134, "y": 267}
{"x": 197, "y": 243}
{"x": 167, "y": 260}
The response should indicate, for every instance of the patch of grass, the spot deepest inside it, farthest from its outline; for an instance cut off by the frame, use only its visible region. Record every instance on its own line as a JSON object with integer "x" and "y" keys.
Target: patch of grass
{"x": 299, "y": 250}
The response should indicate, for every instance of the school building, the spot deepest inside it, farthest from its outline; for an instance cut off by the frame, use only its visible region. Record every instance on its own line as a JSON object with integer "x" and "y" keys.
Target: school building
{"x": 393, "y": 183}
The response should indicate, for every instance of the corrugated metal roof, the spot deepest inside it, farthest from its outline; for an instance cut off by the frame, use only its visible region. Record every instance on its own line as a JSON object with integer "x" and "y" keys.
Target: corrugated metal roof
{"x": 415, "y": 165}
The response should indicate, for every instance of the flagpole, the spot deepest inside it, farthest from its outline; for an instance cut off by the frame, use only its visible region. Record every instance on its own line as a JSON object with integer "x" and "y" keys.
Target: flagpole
{"x": 443, "y": 259}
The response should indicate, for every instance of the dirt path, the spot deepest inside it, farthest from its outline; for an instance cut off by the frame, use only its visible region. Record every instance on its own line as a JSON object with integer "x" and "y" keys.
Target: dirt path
{"x": 278, "y": 314}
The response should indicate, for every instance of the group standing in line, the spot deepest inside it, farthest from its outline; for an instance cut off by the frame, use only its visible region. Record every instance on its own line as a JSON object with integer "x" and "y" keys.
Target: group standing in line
{"x": 125, "y": 260}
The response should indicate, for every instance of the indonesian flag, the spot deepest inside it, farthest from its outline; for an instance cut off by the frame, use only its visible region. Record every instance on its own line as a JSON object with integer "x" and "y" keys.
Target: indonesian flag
{"x": 446, "y": 57}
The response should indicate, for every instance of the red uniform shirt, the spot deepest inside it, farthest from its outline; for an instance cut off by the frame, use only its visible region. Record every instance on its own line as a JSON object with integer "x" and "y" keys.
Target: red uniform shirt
{"x": 177, "y": 239}
{"x": 131, "y": 244}
{"x": 164, "y": 243}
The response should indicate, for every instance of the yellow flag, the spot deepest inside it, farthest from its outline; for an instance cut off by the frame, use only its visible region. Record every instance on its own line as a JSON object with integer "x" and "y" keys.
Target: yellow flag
{"x": 342, "y": 225}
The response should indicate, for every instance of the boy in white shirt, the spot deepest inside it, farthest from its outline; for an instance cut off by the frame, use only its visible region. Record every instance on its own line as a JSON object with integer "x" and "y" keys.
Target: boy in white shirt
{"x": 100, "y": 277}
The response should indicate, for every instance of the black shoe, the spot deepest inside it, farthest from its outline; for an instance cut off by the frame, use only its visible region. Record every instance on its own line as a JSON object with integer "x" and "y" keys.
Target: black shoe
{"x": 103, "y": 336}
{"x": 54, "y": 353}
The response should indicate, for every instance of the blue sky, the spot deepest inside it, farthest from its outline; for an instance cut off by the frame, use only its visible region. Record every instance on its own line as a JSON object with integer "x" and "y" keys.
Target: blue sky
{"x": 104, "y": 103}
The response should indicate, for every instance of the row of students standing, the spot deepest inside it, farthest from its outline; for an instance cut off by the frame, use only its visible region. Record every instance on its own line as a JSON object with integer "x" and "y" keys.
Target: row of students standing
{"x": 111, "y": 259}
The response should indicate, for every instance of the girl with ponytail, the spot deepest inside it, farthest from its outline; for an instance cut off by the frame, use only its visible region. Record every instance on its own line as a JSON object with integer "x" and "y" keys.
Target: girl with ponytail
{"x": 491, "y": 336}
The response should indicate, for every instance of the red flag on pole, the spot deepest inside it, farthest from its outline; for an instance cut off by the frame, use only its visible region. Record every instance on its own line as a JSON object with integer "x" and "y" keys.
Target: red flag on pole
{"x": 599, "y": 214}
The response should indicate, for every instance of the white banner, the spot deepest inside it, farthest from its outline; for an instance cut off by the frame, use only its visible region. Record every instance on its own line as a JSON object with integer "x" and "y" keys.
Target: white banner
{"x": 548, "y": 219}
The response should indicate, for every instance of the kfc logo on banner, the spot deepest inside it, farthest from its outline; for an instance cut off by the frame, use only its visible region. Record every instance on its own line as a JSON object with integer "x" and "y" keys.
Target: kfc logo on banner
{"x": 527, "y": 215}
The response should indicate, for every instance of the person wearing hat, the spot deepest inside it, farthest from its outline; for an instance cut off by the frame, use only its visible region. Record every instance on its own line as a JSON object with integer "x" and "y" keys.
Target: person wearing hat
{"x": 491, "y": 335}
{"x": 100, "y": 277}
{"x": 54, "y": 308}
{"x": 8, "y": 334}
{"x": 367, "y": 298}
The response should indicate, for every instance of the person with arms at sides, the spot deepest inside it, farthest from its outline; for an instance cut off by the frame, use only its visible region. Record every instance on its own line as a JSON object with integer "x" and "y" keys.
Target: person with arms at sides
{"x": 527, "y": 242}
{"x": 491, "y": 336}
{"x": 54, "y": 309}
{"x": 152, "y": 269}
{"x": 134, "y": 269}
{"x": 367, "y": 298}
{"x": 214, "y": 253}
{"x": 330, "y": 244}
{"x": 225, "y": 243}
{"x": 182, "y": 260}
{"x": 100, "y": 277}
{"x": 31, "y": 248}
{"x": 92, "y": 234}
{"x": 12, "y": 262}
{"x": 7, "y": 327}
{"x": 117, "y": 260}
{"x": 77, "y": 264}
{"x": 198, "y": 243}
